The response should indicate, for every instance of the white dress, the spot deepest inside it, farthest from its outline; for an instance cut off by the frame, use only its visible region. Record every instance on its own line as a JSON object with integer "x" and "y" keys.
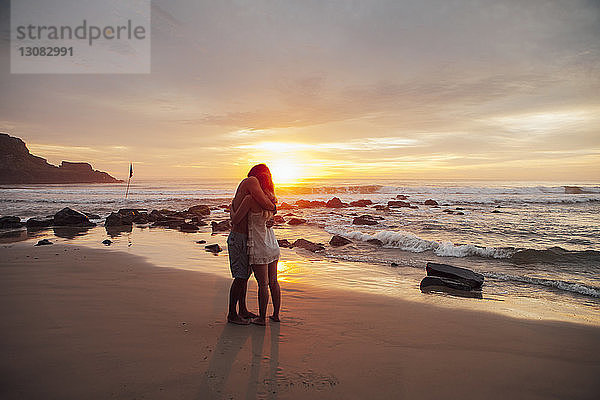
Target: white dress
{"x": 262, "y": 244}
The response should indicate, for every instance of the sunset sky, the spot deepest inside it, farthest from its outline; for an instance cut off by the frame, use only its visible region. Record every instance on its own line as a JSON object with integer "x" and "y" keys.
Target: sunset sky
{"x": 340, "y": 89}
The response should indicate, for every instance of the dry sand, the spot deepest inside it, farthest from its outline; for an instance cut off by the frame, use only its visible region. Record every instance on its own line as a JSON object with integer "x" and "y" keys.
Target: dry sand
{"x": 78, "y": 323}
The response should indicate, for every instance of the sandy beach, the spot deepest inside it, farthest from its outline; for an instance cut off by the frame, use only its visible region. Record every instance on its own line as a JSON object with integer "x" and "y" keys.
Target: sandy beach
{"x": 96, "y": 324}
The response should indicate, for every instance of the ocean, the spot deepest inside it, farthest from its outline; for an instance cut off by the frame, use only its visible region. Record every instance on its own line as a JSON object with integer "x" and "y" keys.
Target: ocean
{"x": 536, "y": 243}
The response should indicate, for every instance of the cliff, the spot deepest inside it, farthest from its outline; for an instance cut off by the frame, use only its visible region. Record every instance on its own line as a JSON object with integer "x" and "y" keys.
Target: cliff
{"x": 18, "y": 165}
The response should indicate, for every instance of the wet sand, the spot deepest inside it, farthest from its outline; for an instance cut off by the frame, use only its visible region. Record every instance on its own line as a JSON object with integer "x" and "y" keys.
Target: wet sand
{"x": 95, "y": 324}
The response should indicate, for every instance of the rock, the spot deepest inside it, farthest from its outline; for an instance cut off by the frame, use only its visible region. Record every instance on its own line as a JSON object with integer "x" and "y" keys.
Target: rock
{"x": 185, "y": 227}
{"x": 459, "y": 213}
{"x": 107, "y": 242}
{"x": 33, "y": 223}
{"x": 336, "y": 203}
{"x": 289, "y": 215}
{"x": 284, "y": 206}
{"x": 43, "y": 242}
{"x": 455, "y": 288}
{"x": 573, "y": 190}
{"x": 142, "y": 218}
{"x": 398, "y": 204}
{"x": 401, "y": 197}
{"x": 201, "y": 241}
{"x": 213, "y": 248}
{"x": 337, "y": 240}
{"x": 308, "y": 245}
{"x": 375, "y": 242}
{"x": 278, "y": 219}
{"x": 459, "y": 208}
{"x": 155, "y": 215}
{"x": 284, "y": 243}
{"x": 381, "y": 207}
{"x": 296, "y": 221}
{"x": 198, "y": 221}
{"x": 448, "y": 211}
{"x": 394, "y": 265}
{"x": 360, "y": 203}
{"x": 222, "y": 226}
{"x": 92, "y": 215}
{"x": 465, "y": 276}
{"x": 496, "y": 211}
{"x": 69, "y": 217}
{"x": 302, "y": 204}
{"x": 364, "y": 220}
{"x": 173, "y": 223}
{"x": 118, "y": 219}
{"x": 199, "y": 210}
{"x": 18, "y": 165}
{"x": 10, "y": 222}
{"x": 431, "y": 202}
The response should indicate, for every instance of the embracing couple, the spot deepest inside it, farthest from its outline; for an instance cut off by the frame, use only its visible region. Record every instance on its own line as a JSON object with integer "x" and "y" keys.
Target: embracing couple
{"x": 253, "y": 247}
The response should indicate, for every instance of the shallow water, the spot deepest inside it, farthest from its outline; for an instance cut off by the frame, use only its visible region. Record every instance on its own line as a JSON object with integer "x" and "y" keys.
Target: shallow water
{"x": 538, "y": 247}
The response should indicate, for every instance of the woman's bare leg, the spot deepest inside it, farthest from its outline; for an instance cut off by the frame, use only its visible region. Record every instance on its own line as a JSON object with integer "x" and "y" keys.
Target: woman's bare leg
{"x": 262, "y": 278}
{"x": 275, "y": 290}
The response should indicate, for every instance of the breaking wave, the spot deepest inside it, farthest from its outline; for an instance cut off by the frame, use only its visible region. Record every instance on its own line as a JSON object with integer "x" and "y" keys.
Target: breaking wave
{"x": 572, "y": 287}
{"x": 408, "y": 241}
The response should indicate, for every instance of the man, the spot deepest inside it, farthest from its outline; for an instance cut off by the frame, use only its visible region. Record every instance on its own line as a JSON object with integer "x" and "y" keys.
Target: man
{"x": 237, "y": 247}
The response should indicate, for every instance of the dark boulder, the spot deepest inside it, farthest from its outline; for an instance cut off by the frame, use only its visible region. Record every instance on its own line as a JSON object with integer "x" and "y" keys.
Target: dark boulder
{"x": 213, "y": 248}
{"x": 10, "y": 222}
{"x": 107, "y": 242}
{"x": 449, "y": 286}
{"x": 278, "y": 219}
{"x": 296, "y": 221}
{"x": 398, "y": 204}
{"x": 200, "y": 209}
{"x": 364, "y": 220}
{"x": 70, "y": 217}
{"x": 336, "y": 203}
{"x": 303, "y": 204}
{"x": 155, "y": 215}
{"x": 198, "y": 221}
{"x": 308, "y": 245}
{"x": 185, "y": 227}
{"x": 465, "y": 276}
{"x": 118, "y": 219}
{"x": 430, "y": 202}
{"x": 360, "y": 203}
{"x": 201, "y": 241}
{"x": 337, "y": 240}
{"x": 222, "y": 226}
{"x": 375, "y": 242}
{"x": 33, "y": 223}
{"x": 381, "y": 207}
{"x": 43, "y": 242}
{"x": 284, "y": 243}
{"x": 401, "y": 197}
{"x": 284, "y": 206}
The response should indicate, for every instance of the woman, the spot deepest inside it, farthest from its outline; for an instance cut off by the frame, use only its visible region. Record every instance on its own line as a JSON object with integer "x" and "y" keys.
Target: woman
{"x": 263, "y": 250}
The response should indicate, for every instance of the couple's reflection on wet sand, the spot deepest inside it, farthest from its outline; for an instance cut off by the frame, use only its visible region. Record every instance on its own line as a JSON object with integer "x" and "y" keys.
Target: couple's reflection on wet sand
{"x": 230, "y": 367}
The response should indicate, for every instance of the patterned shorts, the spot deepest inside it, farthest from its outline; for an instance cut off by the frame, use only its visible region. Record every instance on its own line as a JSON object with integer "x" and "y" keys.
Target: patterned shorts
{"x": 238, "y": 255}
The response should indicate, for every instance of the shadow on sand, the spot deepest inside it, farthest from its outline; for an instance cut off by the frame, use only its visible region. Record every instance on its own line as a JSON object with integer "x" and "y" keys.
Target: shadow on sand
{"x": 230, "y": 364}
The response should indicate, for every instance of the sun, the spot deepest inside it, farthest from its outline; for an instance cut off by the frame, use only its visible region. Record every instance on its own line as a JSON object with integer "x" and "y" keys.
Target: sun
{"x": 285, "y": 172}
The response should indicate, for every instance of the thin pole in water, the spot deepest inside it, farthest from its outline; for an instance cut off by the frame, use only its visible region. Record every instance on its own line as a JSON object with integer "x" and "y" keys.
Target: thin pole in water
{"x": 129, "y": 180}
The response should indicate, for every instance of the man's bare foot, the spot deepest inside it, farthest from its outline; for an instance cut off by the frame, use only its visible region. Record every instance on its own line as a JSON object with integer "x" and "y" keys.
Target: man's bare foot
{"x": 274, "y": 318}
{"x": 248, "y": 315}
{"x": 258, "y": 321}
{"x": 237, "y": 320}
